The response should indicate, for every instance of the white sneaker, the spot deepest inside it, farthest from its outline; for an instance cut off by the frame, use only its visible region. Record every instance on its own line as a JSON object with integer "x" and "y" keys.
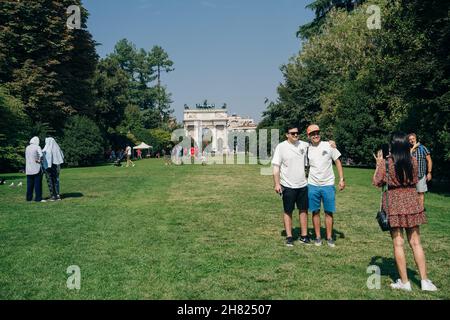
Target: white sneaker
{"x": 427, "y": 285}
{"x": 331, "y": 243}
{"x": 402, "y": 286}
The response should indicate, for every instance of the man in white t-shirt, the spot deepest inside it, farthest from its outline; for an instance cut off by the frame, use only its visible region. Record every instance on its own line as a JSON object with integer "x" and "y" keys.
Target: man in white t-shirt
{"x": 321, "y": 182}
{"x": 288, "y": 162}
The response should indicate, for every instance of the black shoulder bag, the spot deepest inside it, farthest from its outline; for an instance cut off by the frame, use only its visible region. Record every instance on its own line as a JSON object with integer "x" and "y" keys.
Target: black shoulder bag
{"x": 382, "y": 216}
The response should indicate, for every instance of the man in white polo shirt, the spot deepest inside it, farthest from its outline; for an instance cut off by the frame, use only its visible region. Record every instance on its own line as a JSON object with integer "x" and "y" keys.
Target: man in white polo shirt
{"x": 321, "y": 188}
{"x": 288, "y": 162}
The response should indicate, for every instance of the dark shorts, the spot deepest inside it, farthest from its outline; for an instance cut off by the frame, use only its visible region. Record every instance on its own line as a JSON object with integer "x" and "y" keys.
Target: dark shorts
{"x": 291, "y": 197}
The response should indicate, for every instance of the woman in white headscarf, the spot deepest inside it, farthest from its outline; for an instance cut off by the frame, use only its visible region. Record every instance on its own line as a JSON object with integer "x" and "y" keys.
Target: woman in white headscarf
{"x": 53, "y": 158}
{"x": 33, "y": 155}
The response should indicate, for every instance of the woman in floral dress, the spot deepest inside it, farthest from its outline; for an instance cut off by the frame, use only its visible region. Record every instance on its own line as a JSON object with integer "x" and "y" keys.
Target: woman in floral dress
{"x": 404, "y": 209}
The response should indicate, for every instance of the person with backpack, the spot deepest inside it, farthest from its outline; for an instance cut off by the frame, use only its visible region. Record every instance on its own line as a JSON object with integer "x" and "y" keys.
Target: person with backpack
{"x": 399, "y": 170}
{"x": 423, "y": 157}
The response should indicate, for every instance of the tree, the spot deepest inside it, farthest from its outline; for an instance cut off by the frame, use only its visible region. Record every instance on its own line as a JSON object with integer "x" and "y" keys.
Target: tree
{"x": 109, "y": 85}
{"x": 14, "y": 133}
{"x": 160, "y": 140}
{"x": 321, "y": 9}
{"x": 361, "y": 84}
{"x": 125, "y": 53}
{"x": 45, "y": 64}
{"x": 161, "y": 62}
{"x": 357, "y": 127}
{"x": 82, "y": 142}
{"x": 164, "y": 109}
{"x": 135, "y": 64}
{"x": 424, "y": 67}
{"x": 133, "y": 119}
{"x": 151, "y": 119}
{"x": 143, "y": 68}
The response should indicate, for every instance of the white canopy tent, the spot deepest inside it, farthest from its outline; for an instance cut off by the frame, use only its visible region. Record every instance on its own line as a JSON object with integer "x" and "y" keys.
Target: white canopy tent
{"x": 143, "y": 146}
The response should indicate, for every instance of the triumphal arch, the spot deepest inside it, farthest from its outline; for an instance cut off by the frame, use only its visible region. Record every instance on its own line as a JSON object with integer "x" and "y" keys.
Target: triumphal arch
{"x": 205, "y": 122}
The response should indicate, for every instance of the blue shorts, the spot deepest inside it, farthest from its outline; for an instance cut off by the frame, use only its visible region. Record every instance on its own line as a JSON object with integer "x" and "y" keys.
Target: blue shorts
{"x": 318, "y": 194}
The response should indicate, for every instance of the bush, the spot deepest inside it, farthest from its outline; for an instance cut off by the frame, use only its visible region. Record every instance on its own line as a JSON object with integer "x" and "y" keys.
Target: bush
{"x": 160, "y": 139}
{"x": 82, "y": 143}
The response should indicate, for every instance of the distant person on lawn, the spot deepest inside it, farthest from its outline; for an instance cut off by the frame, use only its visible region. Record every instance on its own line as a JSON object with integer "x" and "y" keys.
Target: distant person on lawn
{"x": 167, "y": 156}
{"x": 119, "y": 155}
{"x": 404, "y": 208}
{"x": 290, "y": 182}
{"x": 128, "y": 153}
{"x": 203, "y": 158}
{"x": 321, "y": 181}
{"x": 52, "y": 161}
{"x": 33, "y": 156}
{"x": 423, "y": 157}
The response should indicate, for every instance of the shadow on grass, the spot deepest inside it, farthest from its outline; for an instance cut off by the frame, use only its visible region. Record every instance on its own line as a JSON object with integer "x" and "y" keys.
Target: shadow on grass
{"x": 296, "y": 233}
{"x": 72, "y": 195}
{"x": 388, "y": 267}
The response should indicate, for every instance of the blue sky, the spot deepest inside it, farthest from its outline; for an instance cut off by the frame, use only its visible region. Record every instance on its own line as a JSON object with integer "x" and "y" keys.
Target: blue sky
{"x": 227, "y": 51}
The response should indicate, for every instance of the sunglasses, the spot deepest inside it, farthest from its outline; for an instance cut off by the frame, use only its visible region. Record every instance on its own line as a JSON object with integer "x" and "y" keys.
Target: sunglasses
{"x": 316, "y": 133}
{"x": 293, "y": 133}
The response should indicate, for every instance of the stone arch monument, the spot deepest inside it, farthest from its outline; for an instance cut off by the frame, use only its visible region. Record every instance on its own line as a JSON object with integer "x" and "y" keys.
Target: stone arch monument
{"x": 217, "y": 120}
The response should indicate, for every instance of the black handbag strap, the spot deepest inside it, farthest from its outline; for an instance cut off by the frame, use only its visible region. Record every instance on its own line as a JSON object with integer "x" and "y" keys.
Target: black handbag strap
{"x": 381, "y": 198}
{"x": 387, "y": 188}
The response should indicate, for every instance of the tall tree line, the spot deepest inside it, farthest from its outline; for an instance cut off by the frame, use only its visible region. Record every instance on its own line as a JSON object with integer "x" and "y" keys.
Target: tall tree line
{"x": 52, "y": 82}
{"x": 360, "y": 84}
{"x": 45, "y": 64}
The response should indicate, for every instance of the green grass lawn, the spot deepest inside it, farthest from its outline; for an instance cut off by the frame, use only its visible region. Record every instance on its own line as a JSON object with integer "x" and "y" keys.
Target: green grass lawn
{"x": 199, "y": 232}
